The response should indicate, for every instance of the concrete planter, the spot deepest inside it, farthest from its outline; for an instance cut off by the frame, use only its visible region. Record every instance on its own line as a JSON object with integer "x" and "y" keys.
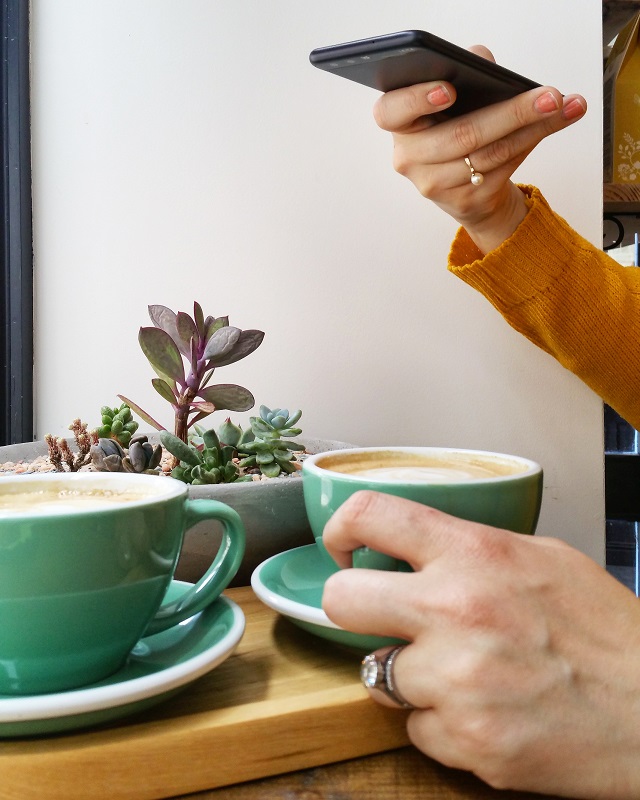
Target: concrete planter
{"x": 272, "y": 512}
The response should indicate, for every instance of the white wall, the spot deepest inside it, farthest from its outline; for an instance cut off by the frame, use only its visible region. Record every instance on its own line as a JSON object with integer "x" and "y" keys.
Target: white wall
{"x": 187, "y": 150}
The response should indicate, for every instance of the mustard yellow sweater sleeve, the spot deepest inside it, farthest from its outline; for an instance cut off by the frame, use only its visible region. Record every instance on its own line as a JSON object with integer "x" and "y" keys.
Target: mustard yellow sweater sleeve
{"x": 566, "y": 296}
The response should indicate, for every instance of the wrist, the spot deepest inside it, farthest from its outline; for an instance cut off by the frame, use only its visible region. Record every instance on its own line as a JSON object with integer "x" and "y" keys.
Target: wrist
{"x": 492, "y": 230}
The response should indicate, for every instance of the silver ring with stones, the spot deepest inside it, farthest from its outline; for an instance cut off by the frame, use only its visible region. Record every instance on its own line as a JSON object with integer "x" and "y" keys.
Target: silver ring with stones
{"x": 476, "y": 177}
{"x": 377, "y": 673}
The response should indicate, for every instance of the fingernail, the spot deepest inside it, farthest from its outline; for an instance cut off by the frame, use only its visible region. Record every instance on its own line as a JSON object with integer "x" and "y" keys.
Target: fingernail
{"x": 438, "y": 96}
{"x": 546, "y": 103}
{"x": 574, "y": 108}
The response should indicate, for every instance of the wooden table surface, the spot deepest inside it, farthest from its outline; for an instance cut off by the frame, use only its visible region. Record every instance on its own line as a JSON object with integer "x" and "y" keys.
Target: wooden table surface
{"x": 284, "y": 718}
{"x": 400, "y": 774}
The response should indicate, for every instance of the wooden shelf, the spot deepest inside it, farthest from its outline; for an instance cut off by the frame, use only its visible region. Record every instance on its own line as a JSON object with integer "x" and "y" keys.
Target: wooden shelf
{"x": 621, "y": 198}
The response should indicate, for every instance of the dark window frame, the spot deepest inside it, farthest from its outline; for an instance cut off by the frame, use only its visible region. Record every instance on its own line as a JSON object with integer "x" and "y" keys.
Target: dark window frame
{"x": 16, "y": 249}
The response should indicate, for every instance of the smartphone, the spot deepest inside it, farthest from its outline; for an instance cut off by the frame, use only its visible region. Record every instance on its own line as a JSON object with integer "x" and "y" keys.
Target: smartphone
{"x": 395, "y": 60}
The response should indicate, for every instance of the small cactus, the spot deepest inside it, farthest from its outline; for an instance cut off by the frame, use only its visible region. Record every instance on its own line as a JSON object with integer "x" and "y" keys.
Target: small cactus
{"x": 142, "y": 457}
{"x": 117, "y": 424}
{"x": 267, "y": 448}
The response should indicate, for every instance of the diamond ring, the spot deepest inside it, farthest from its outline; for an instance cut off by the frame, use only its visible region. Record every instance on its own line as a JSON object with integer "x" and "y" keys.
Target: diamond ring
{"x": 377, "y": 673}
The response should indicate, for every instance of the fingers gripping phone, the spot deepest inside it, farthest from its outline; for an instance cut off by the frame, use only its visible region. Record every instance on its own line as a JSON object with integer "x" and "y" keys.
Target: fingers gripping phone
{"x": 396, "y": 60}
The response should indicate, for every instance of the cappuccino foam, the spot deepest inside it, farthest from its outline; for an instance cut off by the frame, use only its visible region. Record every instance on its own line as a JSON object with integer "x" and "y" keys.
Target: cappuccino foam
{"x": 59, "y": 500}
{"x": 423, "y": 474}
{"x": 404, "y": 467}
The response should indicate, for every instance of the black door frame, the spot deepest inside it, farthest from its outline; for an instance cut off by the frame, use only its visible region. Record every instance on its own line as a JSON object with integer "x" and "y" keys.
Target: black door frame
{"x": 16, "y": 249}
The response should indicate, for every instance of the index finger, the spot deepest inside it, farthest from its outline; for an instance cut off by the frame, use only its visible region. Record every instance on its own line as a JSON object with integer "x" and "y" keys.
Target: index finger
{"x": 409, "y": 109}
{"x": 401, "y": 528}
{"x": 401, "y": 109}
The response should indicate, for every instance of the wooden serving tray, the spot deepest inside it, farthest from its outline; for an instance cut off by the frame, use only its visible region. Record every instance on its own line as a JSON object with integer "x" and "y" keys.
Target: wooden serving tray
{"x": 285, "y": 700}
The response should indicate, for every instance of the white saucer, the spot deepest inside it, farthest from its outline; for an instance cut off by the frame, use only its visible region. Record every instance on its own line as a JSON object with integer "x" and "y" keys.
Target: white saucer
{"x": 292, "y": 584}
{"x": 157, "y": 668}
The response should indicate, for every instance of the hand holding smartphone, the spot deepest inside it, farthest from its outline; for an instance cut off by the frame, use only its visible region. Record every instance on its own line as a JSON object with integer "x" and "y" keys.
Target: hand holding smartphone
{"x": 396, "y": 60}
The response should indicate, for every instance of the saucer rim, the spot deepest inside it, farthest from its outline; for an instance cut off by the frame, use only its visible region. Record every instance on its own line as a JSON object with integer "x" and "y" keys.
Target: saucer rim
{"x": 91, "y": 698}
{"x": 290, "y": 608}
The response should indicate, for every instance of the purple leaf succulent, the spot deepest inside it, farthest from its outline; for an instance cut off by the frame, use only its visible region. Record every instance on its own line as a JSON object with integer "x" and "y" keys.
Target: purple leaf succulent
{"x": 184, "y": 352}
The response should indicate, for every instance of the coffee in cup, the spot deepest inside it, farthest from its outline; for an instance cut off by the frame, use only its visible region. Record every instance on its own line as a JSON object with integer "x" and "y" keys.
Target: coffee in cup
{"x": 496, "y": 489}
{"x": 85, "y": 562}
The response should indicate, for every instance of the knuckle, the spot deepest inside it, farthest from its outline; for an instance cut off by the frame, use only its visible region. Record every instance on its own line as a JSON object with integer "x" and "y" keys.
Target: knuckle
{"x": 479, "y": 734}
{"x": 380, "y": 113}
{"x": 499, "y": 777}
{"x": 522, "y": 111}
{"x": 428, "y": 181}
{"x": 478, "y": 612}
{"x": 401, "y": 162}
{"x": 414, "y": 102}
{"x": 335, "y": 594}
{"x": 563, "y": 548}
{"x": 502, "y": 770}
{"x": 429, "y": 187}
{"x": 494, "y": 747}
{"x": 359, "y": 508}
{"x": 492, "y": 545}
{"x": 397, "y": 109}
{"x": 469, "y": 674}
{"x": 497, "y": 153}
{"x": 465, "y": 135}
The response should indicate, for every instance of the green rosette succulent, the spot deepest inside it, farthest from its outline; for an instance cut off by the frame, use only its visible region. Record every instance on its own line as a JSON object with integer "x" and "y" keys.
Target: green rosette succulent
{"x": 220, "y": 456}
{"x": 268, "y": 447}
{"x": 211, "y": 463}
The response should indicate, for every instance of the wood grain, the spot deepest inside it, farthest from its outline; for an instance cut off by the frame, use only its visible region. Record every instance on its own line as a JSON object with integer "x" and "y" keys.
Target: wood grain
{"x": 621, "y": 198}
{"x": 403, "y": 774}
{"x": 285, "y": 700}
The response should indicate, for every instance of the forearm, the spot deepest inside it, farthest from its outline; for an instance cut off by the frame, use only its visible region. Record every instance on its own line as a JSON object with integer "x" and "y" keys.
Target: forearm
{"x": 567, "y": 297}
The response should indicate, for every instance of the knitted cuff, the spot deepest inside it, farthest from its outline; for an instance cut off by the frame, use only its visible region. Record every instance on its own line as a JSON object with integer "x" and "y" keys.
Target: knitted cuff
{"x": 527, "y": 263}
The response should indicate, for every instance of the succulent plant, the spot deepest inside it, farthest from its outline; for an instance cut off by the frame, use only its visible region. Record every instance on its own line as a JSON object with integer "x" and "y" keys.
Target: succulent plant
{"x": 142, "y": 457}
{"x": 62, "y": 458}
{"x": 268, "y": 449}
{"x": 107, "y": 455}
{"x": 118, "y": 424}
{"x": 206, "y": 344}
{"x": 211, "y": 463}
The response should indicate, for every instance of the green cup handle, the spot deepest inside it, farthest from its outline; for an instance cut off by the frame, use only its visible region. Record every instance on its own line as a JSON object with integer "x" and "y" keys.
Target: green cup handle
{"x": 217, "y": 577}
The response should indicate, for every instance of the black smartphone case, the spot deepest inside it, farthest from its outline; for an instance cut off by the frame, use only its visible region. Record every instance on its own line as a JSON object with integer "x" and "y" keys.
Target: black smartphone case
{"x": 396, "y": 60}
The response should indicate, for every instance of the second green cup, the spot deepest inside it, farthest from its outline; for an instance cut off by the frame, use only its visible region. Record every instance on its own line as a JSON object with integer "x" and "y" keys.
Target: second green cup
{"x": 496, "y": 489}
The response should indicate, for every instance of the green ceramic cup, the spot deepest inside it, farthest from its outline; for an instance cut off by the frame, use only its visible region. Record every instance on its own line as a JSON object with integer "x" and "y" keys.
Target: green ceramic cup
{"x": 493, "y": 488}
{"x": 85, "y": 561}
